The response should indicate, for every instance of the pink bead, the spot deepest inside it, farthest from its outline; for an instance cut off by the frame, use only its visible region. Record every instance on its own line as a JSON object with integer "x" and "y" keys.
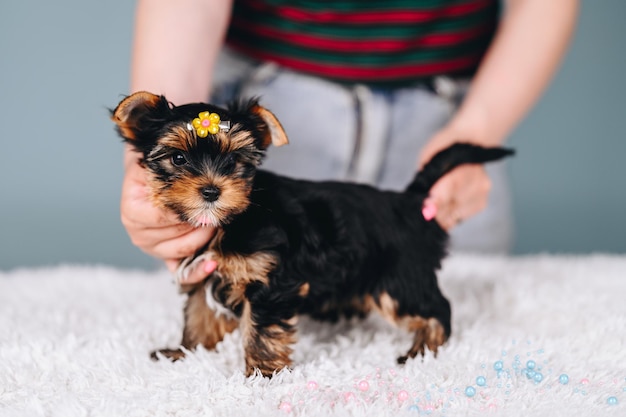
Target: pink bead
{"x": 403, "y": 396}
{"x": 347, "y": 396}
{"x": 206, "y": 122}
{"x": 285, "y": 406}
{"x": 584, "y": 381}
{"x": 363, "y": 385}
{"x": 311, "y": 385}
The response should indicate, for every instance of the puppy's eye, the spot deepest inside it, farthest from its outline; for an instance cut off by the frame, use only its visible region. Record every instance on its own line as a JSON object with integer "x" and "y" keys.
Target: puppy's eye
{"x": 229, "y": 162}
{"x": 179, "y": 159}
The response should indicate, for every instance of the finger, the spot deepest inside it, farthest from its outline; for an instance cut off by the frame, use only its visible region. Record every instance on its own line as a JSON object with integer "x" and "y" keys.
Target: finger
{"x": 461, "y": 194}
{"x": 429, "y": 209}
{"x": 182, "y": 246}
{"x": 200, "y": 272}
{"x": 147, "y": 237}
{"x": 172, "y": 264}
{"x": 441, "y": 196}
{"x": 137, "y": 209}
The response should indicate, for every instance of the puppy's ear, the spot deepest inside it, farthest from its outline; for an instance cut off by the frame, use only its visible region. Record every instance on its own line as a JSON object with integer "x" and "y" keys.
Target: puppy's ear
{"x": 137, "y": 112}
{"x": 274, "y": 133}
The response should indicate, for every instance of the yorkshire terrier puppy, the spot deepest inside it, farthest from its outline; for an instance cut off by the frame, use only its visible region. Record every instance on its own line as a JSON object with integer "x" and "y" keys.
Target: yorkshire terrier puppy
{"x": 283, "y": 246}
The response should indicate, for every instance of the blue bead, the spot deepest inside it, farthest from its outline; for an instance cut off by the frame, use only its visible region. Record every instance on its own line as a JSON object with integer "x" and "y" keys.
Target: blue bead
{"x": 414, "y": 408}
{"x": 530, "y": 374}
{"x": 564, "y": 379}
{"x": 470, "y": 391}
{"x": 538, "y": 377}
{"x": 612, "y": 401}
{"x": 481, "y": 381}
{"x": 498, "y": 365}
{"x": 530, "y": 364}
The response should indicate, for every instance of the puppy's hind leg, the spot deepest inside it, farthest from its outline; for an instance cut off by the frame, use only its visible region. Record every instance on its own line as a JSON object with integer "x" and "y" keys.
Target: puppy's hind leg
{"x": 429, "y": 333}
{"x": 202, "y": 326}
{"x": 430, "y": 326}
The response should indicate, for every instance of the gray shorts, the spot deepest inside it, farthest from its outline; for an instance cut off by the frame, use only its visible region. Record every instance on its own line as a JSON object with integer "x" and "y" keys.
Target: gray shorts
{"x": 361, "y": 134}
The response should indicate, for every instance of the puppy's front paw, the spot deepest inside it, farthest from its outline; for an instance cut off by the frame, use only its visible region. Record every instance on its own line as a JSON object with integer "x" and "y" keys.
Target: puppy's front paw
{"x": 266, "y": 371}
{"x": 171, "y": 354}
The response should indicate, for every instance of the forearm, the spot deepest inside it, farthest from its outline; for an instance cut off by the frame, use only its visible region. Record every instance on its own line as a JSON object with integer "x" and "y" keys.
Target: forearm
{"x": 523, "y": 57}
{"x": 176, "y": 45}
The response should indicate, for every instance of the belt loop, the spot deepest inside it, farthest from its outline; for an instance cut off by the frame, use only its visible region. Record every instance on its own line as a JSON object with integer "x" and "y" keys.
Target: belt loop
{"x": 449, "y": 88}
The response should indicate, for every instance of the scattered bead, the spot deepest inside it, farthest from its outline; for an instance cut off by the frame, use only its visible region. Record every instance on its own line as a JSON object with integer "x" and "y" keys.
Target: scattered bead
{"x": 470, "y": 391}
{"x": 403, "y": 396}
{"x": 481, "y": 381}
{"x": 363, "y": 385}
{"x": 530, "y": 364}
{"x": 498, "y": 365}
{"x": 612, "y": 401}
{"x": 584, "y": 381}
{"x": 538, "y": 377}
{"x": 347, "y": 396}
{"x": 311, "y": 385}
{"x": 564, "y": 379}
{"x": 285, "y": 406}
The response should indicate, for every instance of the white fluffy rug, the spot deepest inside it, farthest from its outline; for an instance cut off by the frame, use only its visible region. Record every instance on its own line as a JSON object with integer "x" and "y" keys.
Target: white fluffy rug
{"x": 74, "y": 341}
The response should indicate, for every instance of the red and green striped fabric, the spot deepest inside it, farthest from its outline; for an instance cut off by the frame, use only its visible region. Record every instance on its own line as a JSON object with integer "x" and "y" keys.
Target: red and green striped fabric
{"x": 384, "y": 42}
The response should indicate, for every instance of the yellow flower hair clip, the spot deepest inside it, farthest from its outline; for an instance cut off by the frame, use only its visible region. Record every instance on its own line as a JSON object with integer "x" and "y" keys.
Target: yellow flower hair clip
{"x": 207, "y": 122}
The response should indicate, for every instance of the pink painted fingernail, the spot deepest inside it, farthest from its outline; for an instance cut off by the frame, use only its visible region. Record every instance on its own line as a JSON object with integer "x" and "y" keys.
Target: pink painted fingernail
{"x": 209, "y": 266}
{"x": 429, "y": 211}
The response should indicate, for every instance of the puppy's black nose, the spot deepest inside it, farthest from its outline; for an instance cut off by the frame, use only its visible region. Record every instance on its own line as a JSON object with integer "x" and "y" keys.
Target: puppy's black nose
{"x": 210, "y": 193}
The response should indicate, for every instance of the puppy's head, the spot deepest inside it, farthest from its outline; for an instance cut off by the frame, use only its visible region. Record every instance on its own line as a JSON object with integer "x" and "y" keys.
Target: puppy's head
{"x": 201, "y": 158}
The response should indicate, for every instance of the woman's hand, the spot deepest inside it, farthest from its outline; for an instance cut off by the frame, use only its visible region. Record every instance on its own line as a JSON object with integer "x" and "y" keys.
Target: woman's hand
{"x": 461, "y": 193}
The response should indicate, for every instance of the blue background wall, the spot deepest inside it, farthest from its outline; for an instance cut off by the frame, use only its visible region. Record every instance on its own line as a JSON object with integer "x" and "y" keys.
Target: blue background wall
{"x": 63, "y": 63}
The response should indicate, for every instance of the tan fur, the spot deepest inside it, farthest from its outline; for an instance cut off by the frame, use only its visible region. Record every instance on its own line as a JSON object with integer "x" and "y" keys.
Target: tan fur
{"x": 202, "y": 326}
{"x": 267, "y": 349}
{"x": 428, "y": 332}
{"x": 241, "y": 270}
{"x": 275, "y": 134}
{"x": 121, "y": 116}
{"x": 304, "y": 289}
{"x": 354, "y": 307}
{"x": 179, "y": 137}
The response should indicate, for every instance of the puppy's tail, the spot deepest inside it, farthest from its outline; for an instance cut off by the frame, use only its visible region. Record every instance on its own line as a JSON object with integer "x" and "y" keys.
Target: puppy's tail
{"x": 450, "y": 158}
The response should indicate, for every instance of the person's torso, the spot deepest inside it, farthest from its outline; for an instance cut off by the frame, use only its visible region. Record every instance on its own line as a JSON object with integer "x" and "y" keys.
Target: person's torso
{"x": 376, "y": 42}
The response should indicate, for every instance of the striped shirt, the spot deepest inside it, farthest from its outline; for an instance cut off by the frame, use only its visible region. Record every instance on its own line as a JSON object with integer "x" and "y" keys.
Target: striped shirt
{"x": 376, "y": 42}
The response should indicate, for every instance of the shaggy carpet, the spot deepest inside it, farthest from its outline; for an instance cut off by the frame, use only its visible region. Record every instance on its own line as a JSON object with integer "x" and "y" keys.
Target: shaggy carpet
{"x": 532, "y": 336}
